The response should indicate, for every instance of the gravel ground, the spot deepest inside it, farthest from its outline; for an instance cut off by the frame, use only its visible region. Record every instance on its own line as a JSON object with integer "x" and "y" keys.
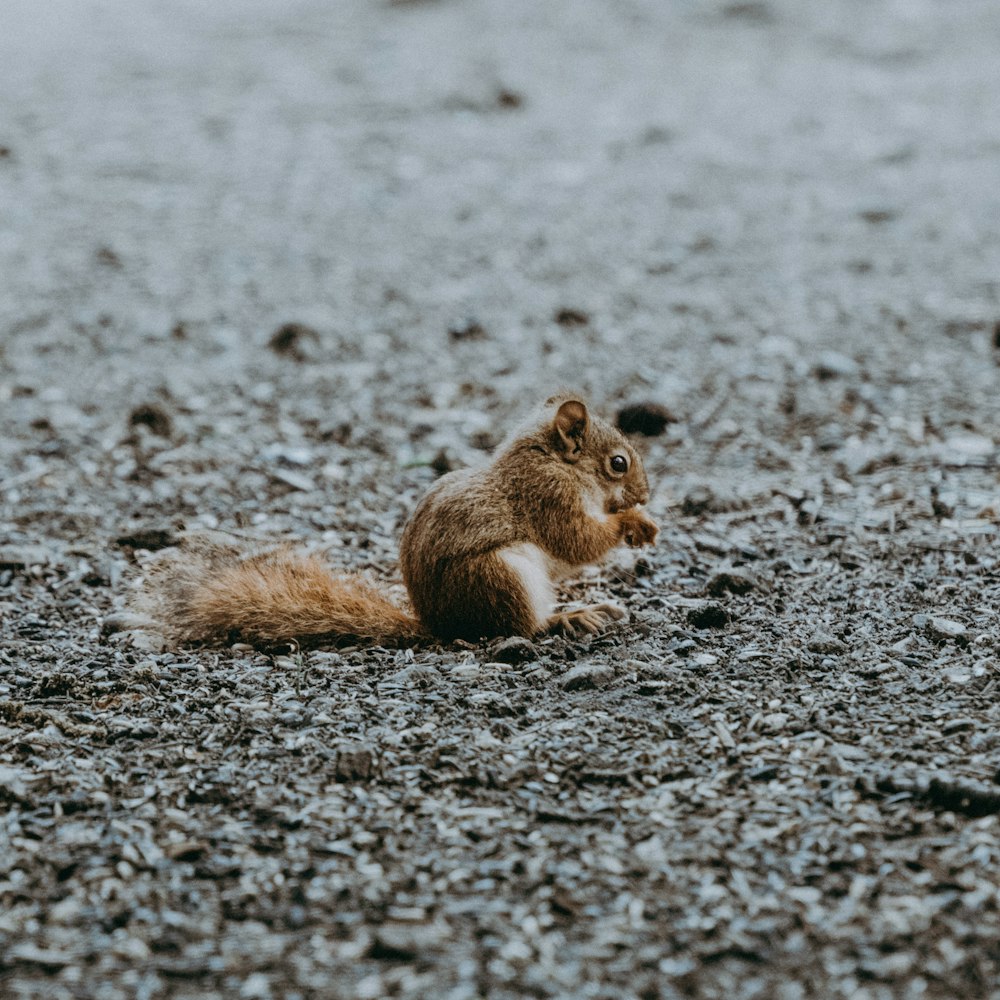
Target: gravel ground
{"x": 780, "y": 779}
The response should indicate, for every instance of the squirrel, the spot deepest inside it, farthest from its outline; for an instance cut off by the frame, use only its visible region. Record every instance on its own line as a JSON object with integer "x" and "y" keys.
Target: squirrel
{"x": 480, "y": 556}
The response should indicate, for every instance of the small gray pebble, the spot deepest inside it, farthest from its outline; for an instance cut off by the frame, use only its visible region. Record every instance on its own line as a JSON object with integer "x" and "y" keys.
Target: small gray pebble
{"x": 587, "y": 675}
{"x": 943, "y": 629}
{"x": 826, "y": 644}
{"x": 516, "y": 649}
{"x": 731, "y": 581}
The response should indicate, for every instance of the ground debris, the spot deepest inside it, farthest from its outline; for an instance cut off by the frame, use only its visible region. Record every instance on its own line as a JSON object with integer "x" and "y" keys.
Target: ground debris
{"x": 647, "y": 418}
{"x": 941, "y": 629}
{"x": 586, "y": 675}
{"x": 516, "y": 649}
{"x": 708, "y": 614}
{"x": 800, "y": 800}
{"x": 826, "y": 644}
{"x": 731, "y": 581}
{"x": 973, "y": 799}
{"x": 23, "y": 556}
{"x": 295, "y": 340}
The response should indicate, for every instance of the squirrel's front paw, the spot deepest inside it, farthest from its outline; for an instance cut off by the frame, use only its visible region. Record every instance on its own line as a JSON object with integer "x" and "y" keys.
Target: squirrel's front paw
{"x": 637, "y": 528}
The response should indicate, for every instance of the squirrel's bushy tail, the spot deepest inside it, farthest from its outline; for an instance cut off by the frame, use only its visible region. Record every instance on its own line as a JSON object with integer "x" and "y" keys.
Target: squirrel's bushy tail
{"x": 214, "y": 587}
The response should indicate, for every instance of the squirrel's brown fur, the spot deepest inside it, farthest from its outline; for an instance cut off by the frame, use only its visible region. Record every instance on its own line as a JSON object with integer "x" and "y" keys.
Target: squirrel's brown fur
{"x": 216, "y": 587}
{"x": 480, "y": 556}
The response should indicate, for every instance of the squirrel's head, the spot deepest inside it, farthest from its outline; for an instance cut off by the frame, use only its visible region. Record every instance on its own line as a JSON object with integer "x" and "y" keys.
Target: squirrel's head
{"x": 599, "y": 451}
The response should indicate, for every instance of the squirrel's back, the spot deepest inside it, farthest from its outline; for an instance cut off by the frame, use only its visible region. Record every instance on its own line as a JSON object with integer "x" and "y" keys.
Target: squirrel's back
{"x": 448, "y": 555}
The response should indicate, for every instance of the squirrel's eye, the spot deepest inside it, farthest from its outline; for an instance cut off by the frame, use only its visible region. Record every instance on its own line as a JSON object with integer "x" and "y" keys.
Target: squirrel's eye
{"x": 619, "y": 464}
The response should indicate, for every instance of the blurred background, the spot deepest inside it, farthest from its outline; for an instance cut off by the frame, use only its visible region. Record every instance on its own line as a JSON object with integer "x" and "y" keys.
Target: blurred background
{"x": 778, "y": 220}
{"x": 276, "y": 265}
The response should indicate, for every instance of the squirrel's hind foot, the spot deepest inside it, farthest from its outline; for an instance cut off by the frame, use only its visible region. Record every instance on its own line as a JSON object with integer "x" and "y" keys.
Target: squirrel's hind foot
{"x": 584, "y": 621}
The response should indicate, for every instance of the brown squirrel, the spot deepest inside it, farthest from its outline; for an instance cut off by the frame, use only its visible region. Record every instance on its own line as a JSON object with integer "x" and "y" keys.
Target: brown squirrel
{"x": 480, "y": 556}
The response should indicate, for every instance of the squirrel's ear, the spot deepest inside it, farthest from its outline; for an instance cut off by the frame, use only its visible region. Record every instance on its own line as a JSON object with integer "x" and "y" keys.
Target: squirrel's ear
{"x": 571, "y": 424}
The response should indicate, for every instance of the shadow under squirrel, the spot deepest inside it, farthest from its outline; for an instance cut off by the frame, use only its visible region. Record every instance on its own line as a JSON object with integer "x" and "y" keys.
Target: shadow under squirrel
{"x": 480, "y": 556}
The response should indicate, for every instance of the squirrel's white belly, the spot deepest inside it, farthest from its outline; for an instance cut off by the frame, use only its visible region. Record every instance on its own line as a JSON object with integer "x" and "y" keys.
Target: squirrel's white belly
{"x": 594, "y": 506}
{"x": 532, "y": 567}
